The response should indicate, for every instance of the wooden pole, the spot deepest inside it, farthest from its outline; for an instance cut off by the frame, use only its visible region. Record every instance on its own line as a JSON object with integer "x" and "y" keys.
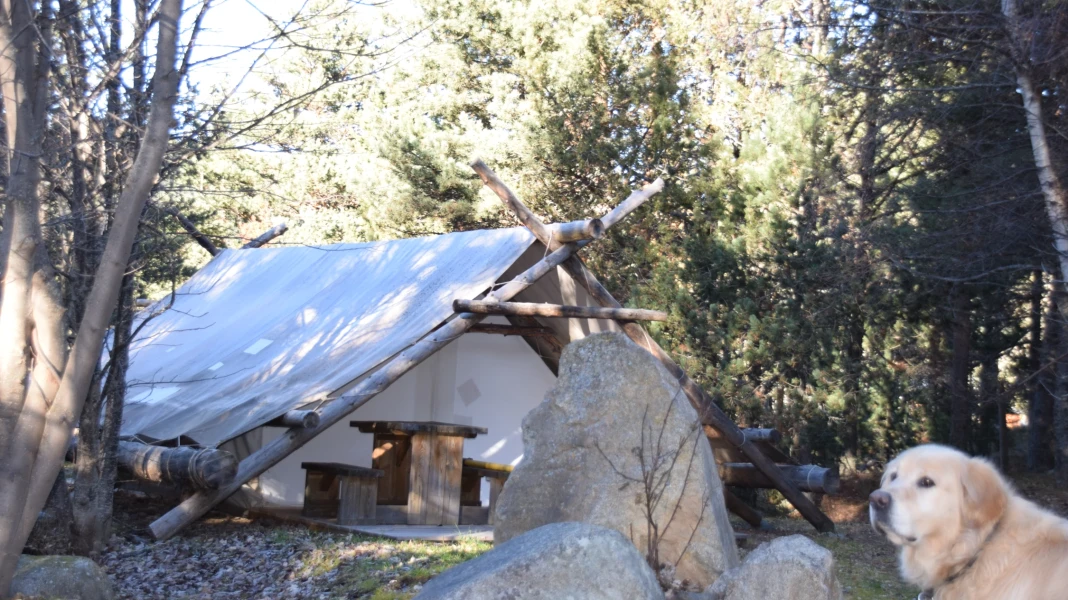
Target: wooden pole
{"x": 267, "y": 236}
{"x": 737, "y": 506}
{"x": 521, "y": 330}
{"x": 577, "y": 230}
{"x": 533, "y": 309}
{"x": 199, "y": 469}
{"x": 710, "y": 414}
{"x": 273, "y": 452}
{"x": 767, "y": 436}
{"x": 296, "y": 418}
{"x": 807, "y": 478}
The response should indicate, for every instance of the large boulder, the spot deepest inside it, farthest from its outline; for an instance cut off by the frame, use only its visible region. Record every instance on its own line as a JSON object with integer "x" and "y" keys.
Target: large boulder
{"x": 615, "y": 441}
{"x": 61, "y": 578}
{"x": 554, "y": 562}
{"x": 787, "y": 568}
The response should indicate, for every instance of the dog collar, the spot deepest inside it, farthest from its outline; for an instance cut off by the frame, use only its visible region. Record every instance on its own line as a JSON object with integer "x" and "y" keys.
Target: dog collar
{"x": 929, "y": 594}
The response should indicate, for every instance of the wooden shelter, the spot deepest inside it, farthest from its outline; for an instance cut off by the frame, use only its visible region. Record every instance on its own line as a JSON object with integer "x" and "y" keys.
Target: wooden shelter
{"x": 305, "y": 415}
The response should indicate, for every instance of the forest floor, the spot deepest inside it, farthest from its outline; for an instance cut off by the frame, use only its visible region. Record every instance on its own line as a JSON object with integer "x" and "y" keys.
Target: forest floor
{"x": 227, "y": 557}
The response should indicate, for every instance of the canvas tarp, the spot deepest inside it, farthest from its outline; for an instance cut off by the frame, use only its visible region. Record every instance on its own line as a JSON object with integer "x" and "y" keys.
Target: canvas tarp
{"x": 258, "y": 332}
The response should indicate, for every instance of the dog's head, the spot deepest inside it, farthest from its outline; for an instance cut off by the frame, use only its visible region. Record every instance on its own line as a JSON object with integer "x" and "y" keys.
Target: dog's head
{"x": 933, "y": 497}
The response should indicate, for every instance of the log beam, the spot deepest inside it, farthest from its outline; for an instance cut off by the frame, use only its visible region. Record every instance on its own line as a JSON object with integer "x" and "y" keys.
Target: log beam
{"x": 577, "y": 230}
{"x": 807, "y": 478}
{"x": 521, "y": 330}
{"x": 710, "y": 414}
{"x": 267, "y": 236}
{"x": 534, "y": 309}
{"x": 767, "y": 436}
{"x": 737, "y": 506}
{"x": 296, "y": 418}
{"x": 199, "y": 469}
{"x": 273, "y": 452}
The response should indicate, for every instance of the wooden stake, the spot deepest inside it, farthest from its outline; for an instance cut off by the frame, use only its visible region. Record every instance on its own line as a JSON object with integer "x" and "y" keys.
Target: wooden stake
{"x": 273, "y": 452}
{"x": 710, "y": 414}
{"x": 532, "y": 309}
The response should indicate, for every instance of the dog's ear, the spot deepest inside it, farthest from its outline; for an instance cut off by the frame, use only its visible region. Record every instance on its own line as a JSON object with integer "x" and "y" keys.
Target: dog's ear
{"x": 985, "y": 493}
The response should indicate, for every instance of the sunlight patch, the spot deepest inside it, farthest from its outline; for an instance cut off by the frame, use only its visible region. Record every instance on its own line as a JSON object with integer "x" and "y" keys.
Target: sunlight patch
{"x": 258, "y": 346}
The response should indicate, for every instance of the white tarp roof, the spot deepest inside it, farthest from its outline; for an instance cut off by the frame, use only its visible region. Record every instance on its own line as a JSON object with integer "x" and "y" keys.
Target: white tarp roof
{"x": 258, "y": 332}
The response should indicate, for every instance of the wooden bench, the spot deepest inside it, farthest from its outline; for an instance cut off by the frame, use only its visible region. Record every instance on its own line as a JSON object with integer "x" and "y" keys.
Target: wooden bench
{"x": 471, "y": 483}
{"x": 345, "y": 492}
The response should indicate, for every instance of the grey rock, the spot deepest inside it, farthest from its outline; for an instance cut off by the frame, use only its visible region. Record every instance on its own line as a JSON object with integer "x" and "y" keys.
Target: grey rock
{"x": 61, "y": 578}
{"x": 613, "y": 405}
{"x": 788, "y": 568}
{"x": 561, "y": 561}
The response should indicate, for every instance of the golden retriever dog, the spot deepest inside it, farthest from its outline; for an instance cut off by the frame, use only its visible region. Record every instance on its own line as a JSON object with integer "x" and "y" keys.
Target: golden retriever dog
{"x": 964, "y": 534}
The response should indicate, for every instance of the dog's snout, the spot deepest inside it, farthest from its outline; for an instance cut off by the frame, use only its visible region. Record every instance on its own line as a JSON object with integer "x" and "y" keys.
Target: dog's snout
{"x": 880, "y": 499}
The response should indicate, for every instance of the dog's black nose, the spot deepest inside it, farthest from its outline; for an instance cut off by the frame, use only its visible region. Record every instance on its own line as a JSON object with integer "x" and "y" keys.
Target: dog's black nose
{"x": 880, "y": 499}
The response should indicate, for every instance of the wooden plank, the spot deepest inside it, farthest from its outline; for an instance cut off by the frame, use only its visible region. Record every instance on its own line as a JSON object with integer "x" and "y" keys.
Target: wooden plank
{"x": 392, "y": 455}
{"x": 413, "y": 427}
{"x": 294, "y": 438}
{"x": 417, "y": 483}
{"x": 496, "y": 485}
{"x": 708, "y": 412}
{"x": 340, "y": 469}
{"x": 497, "y": 469}
{"x": 453, "y": 464}
{"x": 470, "y": 488}
{"x": 358, "y": 496}
{"x": 320, "y": 494}
{"x": 435, "y": 482}
{"x": 535, "y": 309}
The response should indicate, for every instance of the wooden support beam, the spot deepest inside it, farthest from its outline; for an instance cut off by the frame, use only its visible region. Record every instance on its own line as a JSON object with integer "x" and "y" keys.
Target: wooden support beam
{"x": 273, "y": 452}
{"x": 768, "y": 436}
{"x": 534, "y": 309}
{"x": 267, "y": 236}
{"x": 522, "y": 330}
{"x": 807, "y": 478}
{"x": 710, "y": 414}
{"x": 547, "y": 348}
{"x": 199, "y": 469}
{"x": 577, "y": 230}
{"x": 192, "y": 230}
{"x": 296, "y": 418}
{"x": 737, "y": 506}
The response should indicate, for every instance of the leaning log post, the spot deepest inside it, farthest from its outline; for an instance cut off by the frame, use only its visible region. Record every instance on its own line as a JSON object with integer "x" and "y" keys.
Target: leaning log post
{"x": 296, "y": 418}
{"x": 701, "y": 401}
{"x": 266, "y": 236}
{"x": 199, "y": 469}
{"x": 534, "y": 309}
{"x": 273, "y": 452}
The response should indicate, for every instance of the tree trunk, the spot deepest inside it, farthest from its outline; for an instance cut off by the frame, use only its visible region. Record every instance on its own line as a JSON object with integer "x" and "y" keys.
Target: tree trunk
{"x": 1058, "y": 344}
{"x": 854, "y": 358}
{"x": 960, "y": 409}
{"x": 44, "y": 423}
{"x": 1040, "y": 400}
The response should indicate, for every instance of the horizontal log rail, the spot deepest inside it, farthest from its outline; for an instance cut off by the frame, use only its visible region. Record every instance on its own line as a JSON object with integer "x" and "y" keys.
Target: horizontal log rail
{"x": 578, "y": 230}
{"x": 191, "y": 468}
{"x": 807, "y": 478}
{"x": 767, "y": 436}
{"x": 295, "y": 437}
{"x": 710, "y": 414}
{"x": 534, "y": 309}
{"x": 296, "y": 418}
{"x": 520, "y": 330}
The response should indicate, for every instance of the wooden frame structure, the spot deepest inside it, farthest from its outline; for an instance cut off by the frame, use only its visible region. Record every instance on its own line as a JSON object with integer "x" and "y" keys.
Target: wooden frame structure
{"x": 560, "y": 254}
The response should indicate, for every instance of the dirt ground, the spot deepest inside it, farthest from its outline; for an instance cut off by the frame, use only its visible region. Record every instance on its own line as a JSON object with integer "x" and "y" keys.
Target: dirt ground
{"x": 227, "y": 557}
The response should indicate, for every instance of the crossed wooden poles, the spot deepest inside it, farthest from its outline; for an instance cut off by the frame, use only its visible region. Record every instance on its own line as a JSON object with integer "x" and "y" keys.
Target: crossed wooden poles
{"x": 563, "y": 241}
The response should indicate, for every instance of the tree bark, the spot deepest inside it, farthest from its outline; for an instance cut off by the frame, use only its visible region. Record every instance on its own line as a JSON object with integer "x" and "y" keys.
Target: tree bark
{"x": 1040, "y": 401}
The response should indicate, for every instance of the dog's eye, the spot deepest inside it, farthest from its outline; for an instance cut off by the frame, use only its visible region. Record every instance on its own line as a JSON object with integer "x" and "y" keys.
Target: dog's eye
{"x": 926, "y": 483}
{"x": 893, "y": 476}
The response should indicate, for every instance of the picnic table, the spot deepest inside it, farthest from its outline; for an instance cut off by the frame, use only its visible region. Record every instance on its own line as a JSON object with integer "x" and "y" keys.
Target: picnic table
{"x": 422, "y": 465}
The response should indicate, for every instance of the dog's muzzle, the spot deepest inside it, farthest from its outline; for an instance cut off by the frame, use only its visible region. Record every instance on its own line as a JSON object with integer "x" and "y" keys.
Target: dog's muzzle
{"x": 879, "y": 510}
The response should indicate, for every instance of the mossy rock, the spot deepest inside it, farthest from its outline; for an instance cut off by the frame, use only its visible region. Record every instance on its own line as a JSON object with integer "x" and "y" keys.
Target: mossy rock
{"x": 61, "y": 578}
